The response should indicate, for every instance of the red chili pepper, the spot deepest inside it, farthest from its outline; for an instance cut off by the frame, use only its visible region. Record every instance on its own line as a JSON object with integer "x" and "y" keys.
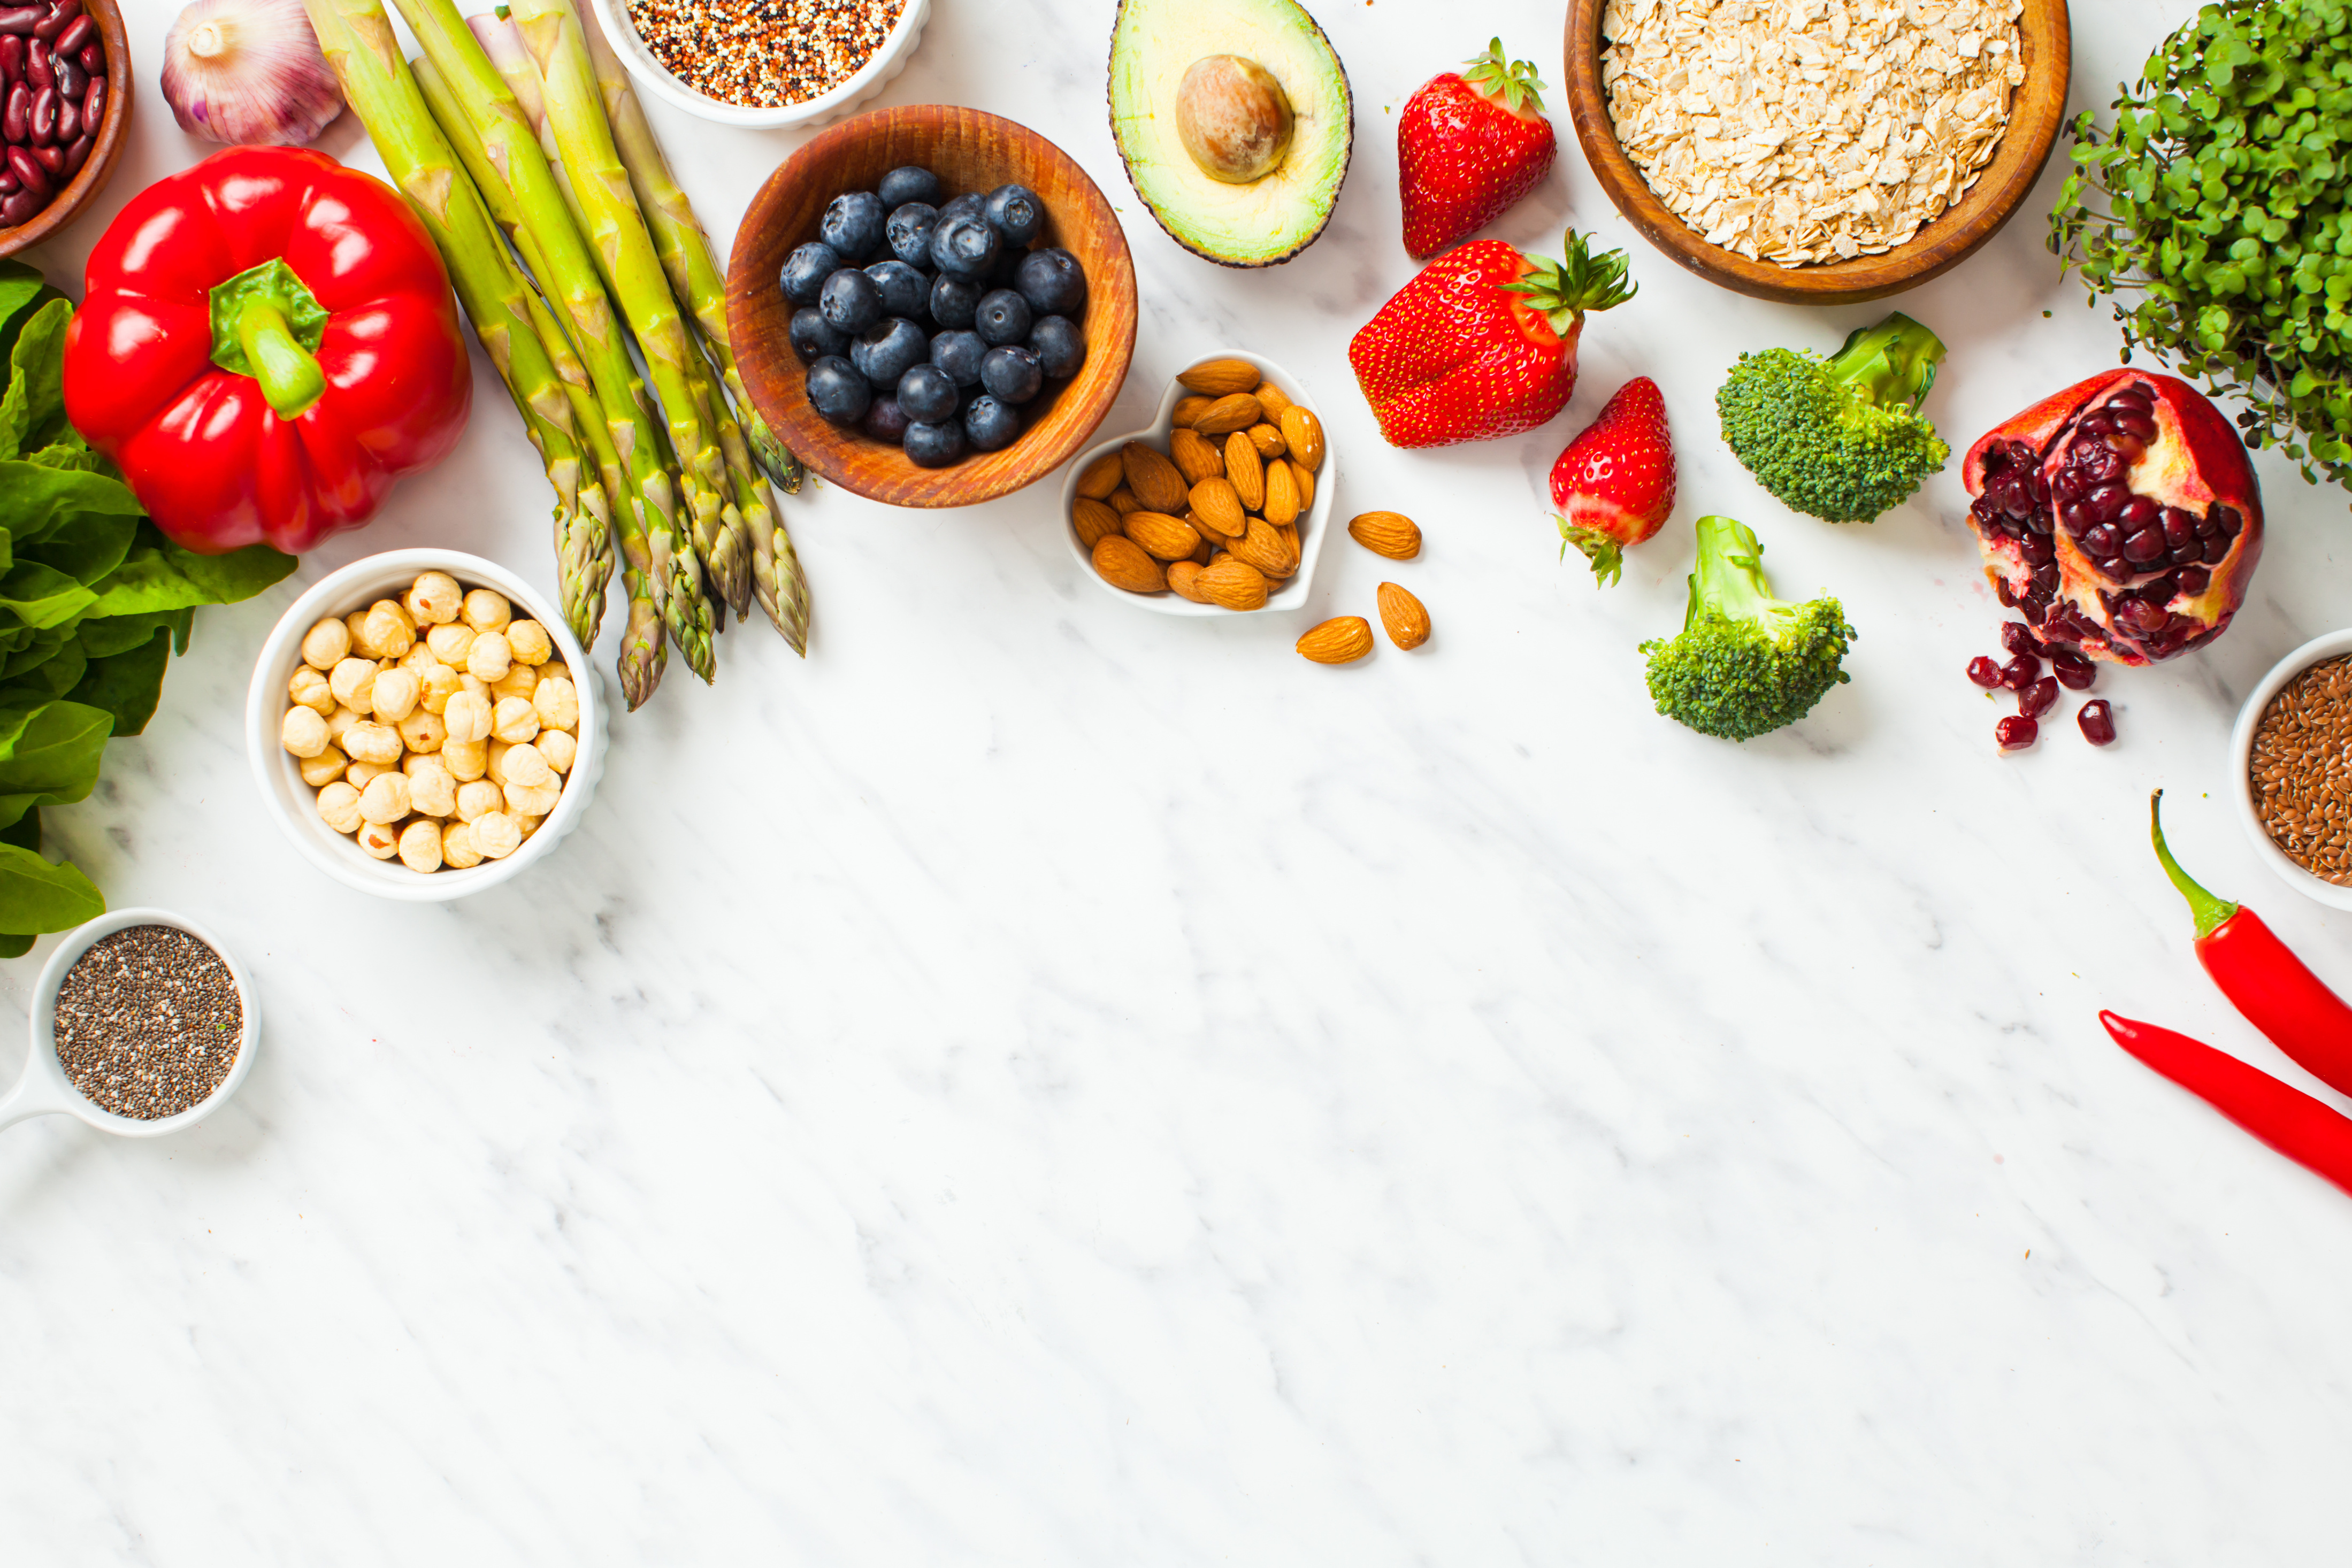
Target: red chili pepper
{"x": 2278, "y": 994}
{"x": 2311, "y": 1135}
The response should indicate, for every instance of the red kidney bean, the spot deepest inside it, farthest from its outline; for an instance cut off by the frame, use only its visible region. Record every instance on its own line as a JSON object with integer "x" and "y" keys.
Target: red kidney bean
{"x": 78, "y": 152}
{"x": 40, "y": 66}
{"x": 93, "y": 105}
{"x": 12, "y": 59}
{"x": 68, "y": 121}
{"x": 8, "y": 184}
{"x": 58, "y": 20}
{"x": 71, "y": 80}
{"x": 76, "y": 32}
{"x": 17, "y": 208}
{"x": 29, "y": 172}
{"x": 44, "y": 117}
{"x": 53, "y": 160}
{"x": 19, "y": 19}
{"x": 93, "y": 59}
{"x": 17, "y": 114}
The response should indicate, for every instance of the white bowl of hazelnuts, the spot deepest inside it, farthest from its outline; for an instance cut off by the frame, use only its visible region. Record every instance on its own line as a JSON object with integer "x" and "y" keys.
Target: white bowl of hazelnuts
{"x": 424, "y": 726}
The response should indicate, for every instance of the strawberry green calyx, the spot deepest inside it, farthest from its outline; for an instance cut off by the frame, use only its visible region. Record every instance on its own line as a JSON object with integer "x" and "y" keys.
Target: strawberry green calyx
{"x": 1607, "y": 556}
{"x": 1563, "y": 291}
{"x": 1511, "y": 85}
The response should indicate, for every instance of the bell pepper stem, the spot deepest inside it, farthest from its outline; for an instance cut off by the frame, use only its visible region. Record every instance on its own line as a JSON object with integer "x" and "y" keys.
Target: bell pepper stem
{"x": 2211, "y": 911}
{"x": 289, "y": 375}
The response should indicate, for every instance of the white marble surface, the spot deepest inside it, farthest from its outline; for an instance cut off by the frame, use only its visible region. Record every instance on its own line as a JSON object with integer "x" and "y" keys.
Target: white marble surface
{"x": 1039, "y": 1083}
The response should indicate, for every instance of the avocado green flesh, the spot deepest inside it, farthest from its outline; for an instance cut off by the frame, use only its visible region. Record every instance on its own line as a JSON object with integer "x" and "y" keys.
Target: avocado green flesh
{"x": 1271, "y": 219}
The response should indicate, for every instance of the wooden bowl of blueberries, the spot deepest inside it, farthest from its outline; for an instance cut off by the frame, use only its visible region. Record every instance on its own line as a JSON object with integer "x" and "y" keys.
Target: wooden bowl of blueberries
{"x": 932, "y": 307}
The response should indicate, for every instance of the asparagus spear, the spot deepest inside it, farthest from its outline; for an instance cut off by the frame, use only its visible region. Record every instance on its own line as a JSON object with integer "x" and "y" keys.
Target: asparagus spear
{"x": 624, "y": 251}
{"x": 356, "y": 38}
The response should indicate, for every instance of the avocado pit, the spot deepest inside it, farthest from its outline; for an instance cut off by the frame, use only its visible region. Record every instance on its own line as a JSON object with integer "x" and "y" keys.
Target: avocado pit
{"x": 1234, "y": 118}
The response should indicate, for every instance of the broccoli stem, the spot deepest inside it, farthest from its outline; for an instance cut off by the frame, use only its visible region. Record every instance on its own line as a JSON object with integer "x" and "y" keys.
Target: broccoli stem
{"x": 1729, "y": 576}
{"x": 1892, "y": 364}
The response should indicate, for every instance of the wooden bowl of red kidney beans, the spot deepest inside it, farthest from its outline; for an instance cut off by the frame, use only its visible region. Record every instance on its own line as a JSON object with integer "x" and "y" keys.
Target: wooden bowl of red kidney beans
{"x": 65, "y": 72}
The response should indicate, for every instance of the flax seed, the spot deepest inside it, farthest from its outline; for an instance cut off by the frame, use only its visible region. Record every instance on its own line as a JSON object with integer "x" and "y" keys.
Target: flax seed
{"x": 2301, "y": 748}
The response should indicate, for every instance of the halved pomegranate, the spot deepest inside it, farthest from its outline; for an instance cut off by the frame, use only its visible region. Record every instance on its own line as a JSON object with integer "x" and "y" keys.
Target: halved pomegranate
{"x": 2119, "y": 517}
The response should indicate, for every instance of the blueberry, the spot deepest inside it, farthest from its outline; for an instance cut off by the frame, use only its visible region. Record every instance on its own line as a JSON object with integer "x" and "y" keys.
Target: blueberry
{"x": 853, "y": 224}
{"x": 884, "y": 351}
{"x": 1011, "y": 375}
{"x": 955, "y": 301}
{"x": 806, "y": 269}
{"x": 1053, "y": 282}
{"x": 838, "y": 390}
{"x": 964, "y": 205}
{"x": 886, "y": 421}
{"x": 927, "y": 395}
{"x": 905, "y": 292}
{"x": 910, "y": 184}
{"x": 965, "y": 245}
{"x": 934, "y": 445}
{"x": 909, "y": 233}
{"x": 1003, "y": 317}
{"x": 1015, "y": 212}
{"x": 812, "y": 337}
{"x": 851, "y": 302}
{"x": 959, "y": 354}
{"x": 989, "y": 424}
{"x": 1058, "y": 344}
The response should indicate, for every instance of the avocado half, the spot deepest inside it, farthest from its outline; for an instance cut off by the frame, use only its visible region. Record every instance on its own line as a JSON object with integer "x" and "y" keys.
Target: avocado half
{"x": 1306, "y": 110}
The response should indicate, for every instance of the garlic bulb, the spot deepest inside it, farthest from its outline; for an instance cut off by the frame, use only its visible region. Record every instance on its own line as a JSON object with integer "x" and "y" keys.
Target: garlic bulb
{"x": 248, "y": 72}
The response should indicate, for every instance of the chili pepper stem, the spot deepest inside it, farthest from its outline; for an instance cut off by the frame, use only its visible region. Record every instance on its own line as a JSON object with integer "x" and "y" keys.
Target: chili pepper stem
{"x": 2210, "y": 911}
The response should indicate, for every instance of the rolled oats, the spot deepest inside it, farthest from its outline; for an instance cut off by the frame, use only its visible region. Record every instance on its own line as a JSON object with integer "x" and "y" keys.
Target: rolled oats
{"x": 1806, "y": 131}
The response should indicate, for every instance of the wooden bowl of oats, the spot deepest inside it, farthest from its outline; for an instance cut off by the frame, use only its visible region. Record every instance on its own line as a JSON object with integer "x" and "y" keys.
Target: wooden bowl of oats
{"x": 1776, "y": 162}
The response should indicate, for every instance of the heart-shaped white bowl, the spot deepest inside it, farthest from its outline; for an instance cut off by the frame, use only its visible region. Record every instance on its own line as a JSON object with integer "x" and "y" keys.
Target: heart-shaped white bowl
{"x": 1313, "y": 528}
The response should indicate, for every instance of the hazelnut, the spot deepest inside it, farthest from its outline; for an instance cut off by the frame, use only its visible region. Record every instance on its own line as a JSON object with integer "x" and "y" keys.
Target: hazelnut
{"x": 496, "y": 834}
{"x": 558, "y": 705}
{"x": 389, "y": 631}
{"x": 368, "y": 741}
{"x": 323, "y": 770}
{"x": 353, "y": 683}
{"x": 477, "y": 797}
{"x": 466, "y": 758}
{"x": 394, "y": 696}
{"x": 385, "y": 799}
{"x": 450, "y": 643}
{"x": 519, "y": 681}
{"x": 433, "y": 599}
{"x": 467, "y": 717}
{"x": 308, "y": 689}
{"x": 530, "y": 642}
{"x": 379, "y": 840}
{"x": 558, "y": 748}
{"x": 489, "y": 657}
{"x": 533, "y": 800}
{"x": 339, "y": 807}
{"x": 514, "y": 720}
{"x": 420, "y": 846}
{"x": 423, "y": 731}
{"x": 432, "y": 791}
{"x": 457, "y": 851}
{"x": 357, "y": 774}
{"x": 524, "y": 764}
{"x": 304, "y": 733}
{"x": 488, "y": 611}
{"x": 326, "y": 644}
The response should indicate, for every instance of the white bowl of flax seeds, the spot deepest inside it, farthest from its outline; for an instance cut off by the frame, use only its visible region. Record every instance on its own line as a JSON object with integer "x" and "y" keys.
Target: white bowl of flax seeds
{"x": 763, "y": 64}
{"x": 2292, "y": 752}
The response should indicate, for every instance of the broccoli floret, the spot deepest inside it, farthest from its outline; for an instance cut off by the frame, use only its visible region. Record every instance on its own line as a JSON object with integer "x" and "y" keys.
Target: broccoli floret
{"x": 1842, "y": 438}
{"x": 1746, "y": 663}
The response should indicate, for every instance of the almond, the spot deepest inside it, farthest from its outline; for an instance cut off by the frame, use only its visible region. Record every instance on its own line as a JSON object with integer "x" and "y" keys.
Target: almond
{"x": 1234, "y": 584}
{"x": 1271, "y": 399}
{"x": 1091, "y": 520}
{"x": 1154, "y": 479}
{"x": 1221, "y": 378}
{"x": 1183, "y": 577}
{"x": 1245, "y": 469}
{"x": 1207, "y": 530}
{"x": 1227, "y": 414}
{"x": 1268, "y": 440}
{"x": 1281, "y": 506}
{"x": 1267, "y": 549}
{"x": 1342, "y": 640}
{"x": 1305, "y": 482}
{"x": 1216, "y": 500}
{"x": 1391, "y": 534}
{"x": 1304, "y": 433}
{"x": 1123, "y": 501}
{"x": 1290, "y": 542}
{"x": 1401, "y": 613}
{"x": 1101, "y": 477}
{"x": 1189, "y": 409}
{"x": 1123, "y": 564}
{"x": 1197, "y": 457}
{"x": 1170, "y": 538}
{"x": 1208, "y": 551}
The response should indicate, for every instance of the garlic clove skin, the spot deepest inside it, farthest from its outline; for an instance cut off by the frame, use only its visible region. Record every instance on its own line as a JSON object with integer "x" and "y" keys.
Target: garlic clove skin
{"x": 247, "y": 73}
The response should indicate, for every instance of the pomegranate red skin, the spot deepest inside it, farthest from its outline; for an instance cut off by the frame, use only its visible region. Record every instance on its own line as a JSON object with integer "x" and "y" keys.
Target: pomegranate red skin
{"x": 2194, "y": 462}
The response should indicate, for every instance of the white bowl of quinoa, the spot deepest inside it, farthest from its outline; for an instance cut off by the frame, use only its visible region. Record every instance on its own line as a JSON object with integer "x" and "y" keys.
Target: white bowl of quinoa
{"x": 763, "y": 64}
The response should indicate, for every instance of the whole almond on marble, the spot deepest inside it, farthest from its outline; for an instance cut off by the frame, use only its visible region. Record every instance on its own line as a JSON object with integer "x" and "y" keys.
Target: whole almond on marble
{"x": 1281, "y": 506}
{"x": 1391, "y": 534}
{"x": 1226, "y": 414}
{"x": 1406, "y": 621}
{"x": 1268, "y": 441}
{"x": 1245, "y": 470}
{"x": 1169, "y": 538}
{"x": 1101, "y": 477}
{"x": 1220, "y": 504}
{"x": 1271, "y": 399}
{"x": 1221, "y": 378}
{"x": 1123, "y": 564}
{"x": 1197, "y": 457}
{"x": 1183, "y": 577}
{"x": 1303, "y": 434}
{"x": 1189, "y": 409}
{"x": 1342, "y": 640}
{"x": 1234, "y": 584}
{"x": 1153, "y": 478}
{"x": 1090, "y": 520}
{"x": 1305, "y": 480}
{"x": 1268, "y": 548}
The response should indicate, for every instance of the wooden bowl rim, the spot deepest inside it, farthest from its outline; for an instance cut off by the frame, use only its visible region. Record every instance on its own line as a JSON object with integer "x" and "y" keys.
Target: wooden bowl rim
{"x": 829, "y": 449}
{"x": 2046, "y": 37}
{"x": 99, "y": 167}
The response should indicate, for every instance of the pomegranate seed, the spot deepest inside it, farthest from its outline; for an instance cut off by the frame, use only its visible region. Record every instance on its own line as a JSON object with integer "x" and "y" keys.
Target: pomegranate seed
{"x": 2018, "y": 638}
{"x": 2037, "y": 698}
{"x": 2021, "y": 671}
{"x": 2016, "y": 733}
{"x": 2098, "y": 722}
{"x": 2075, "y": 672}
{"x": 1984, "y": 672}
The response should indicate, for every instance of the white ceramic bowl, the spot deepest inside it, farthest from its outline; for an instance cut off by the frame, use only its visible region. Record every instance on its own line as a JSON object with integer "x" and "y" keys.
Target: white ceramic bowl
{"x": 2336, "y": 644}
{"x": 293, "y": 802}
{"x": 46, "y": 1091}
{"x": 1313, "y": 528}
{"x": 889, "y": 60}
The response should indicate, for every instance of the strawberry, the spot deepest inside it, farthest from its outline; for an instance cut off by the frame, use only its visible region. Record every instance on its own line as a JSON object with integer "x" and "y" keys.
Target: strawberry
{"x": 1615, "y": 482}
{"x": 1482, "y": 344}
{"x": 1468, "y": 147}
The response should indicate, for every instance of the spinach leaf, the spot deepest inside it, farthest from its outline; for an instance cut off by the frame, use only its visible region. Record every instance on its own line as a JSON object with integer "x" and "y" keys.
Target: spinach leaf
{"x": 49, "y": 757}
{"x": 159, "y": 575}
{"x": 36, "y": 896}
{"x": 53, "y": 676}
{"x": 34, "y": 499}
{"x": 126, "y": 686}
{"x": 42, "y": 596}
{"x": 36, "y": 398}
{"x": 86, "y": 548}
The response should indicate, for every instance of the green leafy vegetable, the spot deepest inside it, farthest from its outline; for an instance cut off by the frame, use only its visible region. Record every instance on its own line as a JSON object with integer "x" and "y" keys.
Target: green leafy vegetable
{"x": 93, "y": 602}
{"x": 2224, "y": 184}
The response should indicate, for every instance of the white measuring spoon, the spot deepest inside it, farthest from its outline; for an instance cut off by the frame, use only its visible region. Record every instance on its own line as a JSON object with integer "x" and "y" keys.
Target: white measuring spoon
{"x": 44, "y": 1090}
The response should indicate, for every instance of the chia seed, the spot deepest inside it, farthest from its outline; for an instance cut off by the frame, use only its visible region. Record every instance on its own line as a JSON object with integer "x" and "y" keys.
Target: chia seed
{"x": 764, "y": 53}
{"x": 148, "y": 1022}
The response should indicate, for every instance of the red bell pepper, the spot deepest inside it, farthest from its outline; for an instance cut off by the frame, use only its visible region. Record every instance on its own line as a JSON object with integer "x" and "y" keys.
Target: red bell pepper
{"x": 266, "y": 343}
